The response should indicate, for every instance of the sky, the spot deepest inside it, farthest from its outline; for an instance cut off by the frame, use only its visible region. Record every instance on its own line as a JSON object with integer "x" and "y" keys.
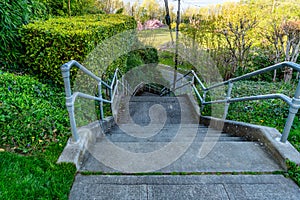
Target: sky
{"x": 189, "y": 3}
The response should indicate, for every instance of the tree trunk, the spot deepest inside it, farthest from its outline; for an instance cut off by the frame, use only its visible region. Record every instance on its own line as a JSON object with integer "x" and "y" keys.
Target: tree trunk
{"x": 288, "y": 72}
{"x": 69, "y": 7}
{"x": 274, "y": 76}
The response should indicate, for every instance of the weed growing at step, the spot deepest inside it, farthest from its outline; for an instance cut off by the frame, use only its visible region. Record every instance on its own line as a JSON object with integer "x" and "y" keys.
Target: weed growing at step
{"x": 294, "y": 171}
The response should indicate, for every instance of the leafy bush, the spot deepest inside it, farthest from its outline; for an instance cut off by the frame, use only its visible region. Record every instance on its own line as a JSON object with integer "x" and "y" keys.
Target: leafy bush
{"x": 54, "y": 42}
{"x": 294, "y": 136}
{"x": 259, "y": 59}
{"x": 139, "y": 57}
{"x": 15, "y": 13}
{"x": 32, "y": 114}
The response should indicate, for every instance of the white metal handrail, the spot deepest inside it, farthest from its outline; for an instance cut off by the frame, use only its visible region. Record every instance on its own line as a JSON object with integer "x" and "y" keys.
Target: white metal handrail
{"x": 294, "y": 102}
{"x": 71, "y": 97}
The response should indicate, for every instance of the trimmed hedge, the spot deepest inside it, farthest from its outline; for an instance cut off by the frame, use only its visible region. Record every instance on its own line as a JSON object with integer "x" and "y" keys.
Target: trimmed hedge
{"x": 49, "y": 44}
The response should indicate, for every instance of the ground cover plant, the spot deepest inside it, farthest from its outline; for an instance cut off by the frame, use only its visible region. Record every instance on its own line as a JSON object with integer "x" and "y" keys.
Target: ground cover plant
{"x": 272, "y": 113}
{"x": 32, "y": 114}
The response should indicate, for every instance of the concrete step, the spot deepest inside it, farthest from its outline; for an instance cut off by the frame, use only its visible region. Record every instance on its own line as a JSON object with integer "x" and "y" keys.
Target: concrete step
{"x": 230, "y": 156}
{"x": 175, "y": 145}
{"x": 177, "y": 110}
{"x": 208, "y": 187}
{"x": 167, "y": 134}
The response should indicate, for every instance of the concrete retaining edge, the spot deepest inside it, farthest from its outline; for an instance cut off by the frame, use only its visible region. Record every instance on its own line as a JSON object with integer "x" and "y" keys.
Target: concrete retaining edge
{"x": 74, "y": 151}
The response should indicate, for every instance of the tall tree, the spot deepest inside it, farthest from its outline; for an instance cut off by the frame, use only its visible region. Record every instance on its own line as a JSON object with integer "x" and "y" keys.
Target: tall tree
{"x": 109, "y": 6}
{"x": 152, "y": 8}
{"x": 236, "y": 25}
{"x": 292, "y": 31}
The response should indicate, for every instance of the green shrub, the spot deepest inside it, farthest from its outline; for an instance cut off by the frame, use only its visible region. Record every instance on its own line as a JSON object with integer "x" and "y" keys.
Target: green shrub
{"x": 15, "y": 13}
{"x": 259, "y": 59}
{"x": 272, "y": 112}
{"x": 140, "y": 57}
{"x": 32, "y": 114}
{"x": 54, "y": 42}
{"x": 149, "y": 55}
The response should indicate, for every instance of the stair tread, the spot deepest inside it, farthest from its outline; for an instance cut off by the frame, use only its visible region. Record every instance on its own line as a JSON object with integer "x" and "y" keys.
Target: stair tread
{"x": 224, "y": 157}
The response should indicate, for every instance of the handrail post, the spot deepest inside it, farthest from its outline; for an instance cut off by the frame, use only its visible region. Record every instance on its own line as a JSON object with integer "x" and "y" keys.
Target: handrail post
{"x": 193, "y": 79}
{"x": 111, "y": 92}
{"x": 228, "y": 96}
{"x": 65, "y": 69}
{"x": 293, "y": 110}
{"x": 101, "y": 102}
{"x": 123, "y": 86}
{"x": 202, "y": 103}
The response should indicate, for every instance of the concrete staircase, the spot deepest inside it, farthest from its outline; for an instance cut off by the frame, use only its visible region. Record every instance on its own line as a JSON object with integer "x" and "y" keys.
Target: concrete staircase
{"x": 175, "y": 122}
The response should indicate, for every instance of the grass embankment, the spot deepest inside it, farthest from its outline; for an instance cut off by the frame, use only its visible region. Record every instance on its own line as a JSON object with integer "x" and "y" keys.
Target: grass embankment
{"x": 33, "y": 122}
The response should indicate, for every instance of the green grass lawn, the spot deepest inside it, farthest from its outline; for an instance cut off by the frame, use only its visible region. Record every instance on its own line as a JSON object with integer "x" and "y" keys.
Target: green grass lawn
{"x": 155, "y": 37}
{"x": 34, "y": 177}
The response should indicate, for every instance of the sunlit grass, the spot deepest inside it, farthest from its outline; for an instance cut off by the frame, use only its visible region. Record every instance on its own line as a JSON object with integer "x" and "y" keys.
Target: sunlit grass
{"x": 156, "y": 37}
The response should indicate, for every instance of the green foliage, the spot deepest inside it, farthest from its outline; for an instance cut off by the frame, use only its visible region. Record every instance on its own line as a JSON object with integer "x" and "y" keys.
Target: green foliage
{"x": 294, "y": 171}
{"x": 120, "y": 11}
{"x": 32, "y": 114}
{"x": 78, "y": 7}
{"x": 294, "y": 136}
{"x": 259, "y": 59}
{"x": 167, "y": 58}
{"x": 50, "y": 44}
{"x": 271, "y": 113}
{"x": 139, "y": 57}
{"x": 15, "y": 13}
{"x": 149, "y": 55}
{"x": 240, "y": 37}
{"x": 34, "y": 177}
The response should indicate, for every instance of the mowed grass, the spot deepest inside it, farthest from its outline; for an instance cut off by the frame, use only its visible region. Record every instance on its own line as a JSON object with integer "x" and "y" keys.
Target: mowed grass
{"x": 156, "y": 37}
{"x": 34, "y": 177}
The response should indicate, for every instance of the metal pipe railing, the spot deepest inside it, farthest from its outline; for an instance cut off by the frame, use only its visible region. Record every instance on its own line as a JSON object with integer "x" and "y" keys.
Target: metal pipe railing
{"x": 71, "y": 97}
{"x": 294, "y": 102}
